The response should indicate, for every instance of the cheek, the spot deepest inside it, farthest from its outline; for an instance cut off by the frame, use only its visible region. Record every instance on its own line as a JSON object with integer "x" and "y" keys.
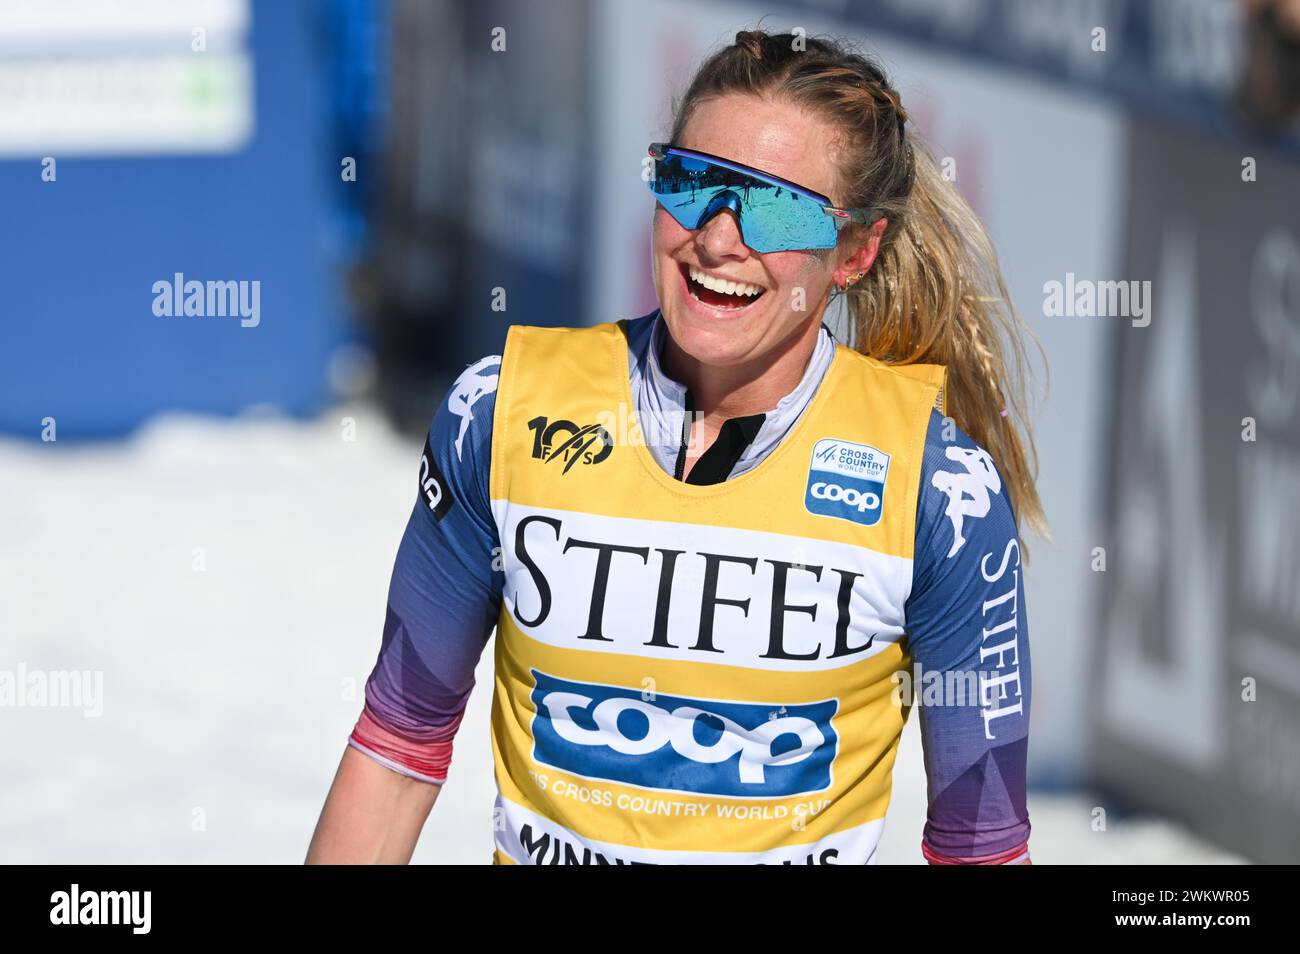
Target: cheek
{"x": 665, "y": 234}
{"x": 792, "y": 270}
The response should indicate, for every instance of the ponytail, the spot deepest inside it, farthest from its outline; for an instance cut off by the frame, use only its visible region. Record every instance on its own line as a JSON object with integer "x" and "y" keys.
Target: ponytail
{"x": 936, "y": 295}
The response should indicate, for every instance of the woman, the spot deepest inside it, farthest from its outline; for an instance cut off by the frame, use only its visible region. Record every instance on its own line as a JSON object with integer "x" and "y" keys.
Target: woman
{"x": 701, "y": 622}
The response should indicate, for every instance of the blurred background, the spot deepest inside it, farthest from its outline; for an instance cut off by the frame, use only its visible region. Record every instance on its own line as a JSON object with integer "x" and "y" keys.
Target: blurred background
{"x": 198, "y": 514}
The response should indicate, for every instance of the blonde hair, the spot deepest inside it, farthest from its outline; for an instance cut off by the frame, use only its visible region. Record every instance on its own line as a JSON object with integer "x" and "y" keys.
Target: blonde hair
{"x": 935, "y": 293}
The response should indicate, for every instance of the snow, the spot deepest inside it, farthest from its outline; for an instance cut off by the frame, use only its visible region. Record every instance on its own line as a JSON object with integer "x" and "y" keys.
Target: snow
{"x": 227, "y": 578}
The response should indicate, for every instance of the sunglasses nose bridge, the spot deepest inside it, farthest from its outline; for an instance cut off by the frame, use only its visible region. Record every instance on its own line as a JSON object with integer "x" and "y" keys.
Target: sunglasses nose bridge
{"x": 725, "y": 199}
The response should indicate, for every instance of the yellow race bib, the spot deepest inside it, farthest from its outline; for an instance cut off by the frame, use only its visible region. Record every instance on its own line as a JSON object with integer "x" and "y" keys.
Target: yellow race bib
{"x": 697, "y": 674}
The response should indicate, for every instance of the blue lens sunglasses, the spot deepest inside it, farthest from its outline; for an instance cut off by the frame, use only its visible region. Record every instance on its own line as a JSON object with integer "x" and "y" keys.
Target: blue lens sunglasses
{"x": 775, "y": 215}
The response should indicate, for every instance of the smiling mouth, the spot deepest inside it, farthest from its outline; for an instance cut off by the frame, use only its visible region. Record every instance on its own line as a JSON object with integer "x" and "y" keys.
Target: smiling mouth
{"x": 719, "y": 293}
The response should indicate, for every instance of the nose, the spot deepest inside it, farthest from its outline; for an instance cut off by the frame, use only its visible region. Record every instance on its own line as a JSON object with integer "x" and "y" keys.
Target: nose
{"x": 718, "y": 232}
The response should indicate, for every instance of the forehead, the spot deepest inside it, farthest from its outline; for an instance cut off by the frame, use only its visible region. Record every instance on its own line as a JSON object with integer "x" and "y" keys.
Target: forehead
{"x": 773, "y": 135}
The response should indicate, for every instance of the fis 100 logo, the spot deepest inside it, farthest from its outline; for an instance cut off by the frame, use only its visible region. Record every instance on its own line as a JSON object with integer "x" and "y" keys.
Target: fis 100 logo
{"x": 706, "y": 747}
{"x": 846, "y": 480}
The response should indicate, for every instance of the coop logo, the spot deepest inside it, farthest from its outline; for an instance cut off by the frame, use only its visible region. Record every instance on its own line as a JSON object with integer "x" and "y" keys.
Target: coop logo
{"x": 562, "y": 440}
{"x": 846, "y": 480}
{"x": 706, "y": 747}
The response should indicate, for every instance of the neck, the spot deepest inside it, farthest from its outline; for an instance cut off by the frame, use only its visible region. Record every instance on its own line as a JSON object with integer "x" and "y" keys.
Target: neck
{"x": 749, "y": 388}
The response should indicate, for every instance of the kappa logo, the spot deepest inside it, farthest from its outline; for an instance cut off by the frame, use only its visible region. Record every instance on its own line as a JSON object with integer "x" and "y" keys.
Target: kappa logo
{"x": 680, "y": 744}
{"x": 968, "y": 493}
{"x": 563, "y": 440}
{"x": 474, "y": 383}
{"x": 847, "y": 480}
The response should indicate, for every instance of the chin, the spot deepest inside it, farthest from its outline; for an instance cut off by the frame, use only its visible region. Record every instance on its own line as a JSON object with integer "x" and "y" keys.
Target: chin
{"x": 710, "y": 335}
{"x": 718, "y": 341}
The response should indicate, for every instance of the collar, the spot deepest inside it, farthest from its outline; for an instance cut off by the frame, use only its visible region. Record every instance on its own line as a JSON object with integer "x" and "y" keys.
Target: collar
{"x": 662, "y": 403}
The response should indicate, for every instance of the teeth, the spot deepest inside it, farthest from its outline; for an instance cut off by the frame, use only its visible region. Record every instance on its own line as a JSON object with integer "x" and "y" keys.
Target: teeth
{"x": 723, "y": 286}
